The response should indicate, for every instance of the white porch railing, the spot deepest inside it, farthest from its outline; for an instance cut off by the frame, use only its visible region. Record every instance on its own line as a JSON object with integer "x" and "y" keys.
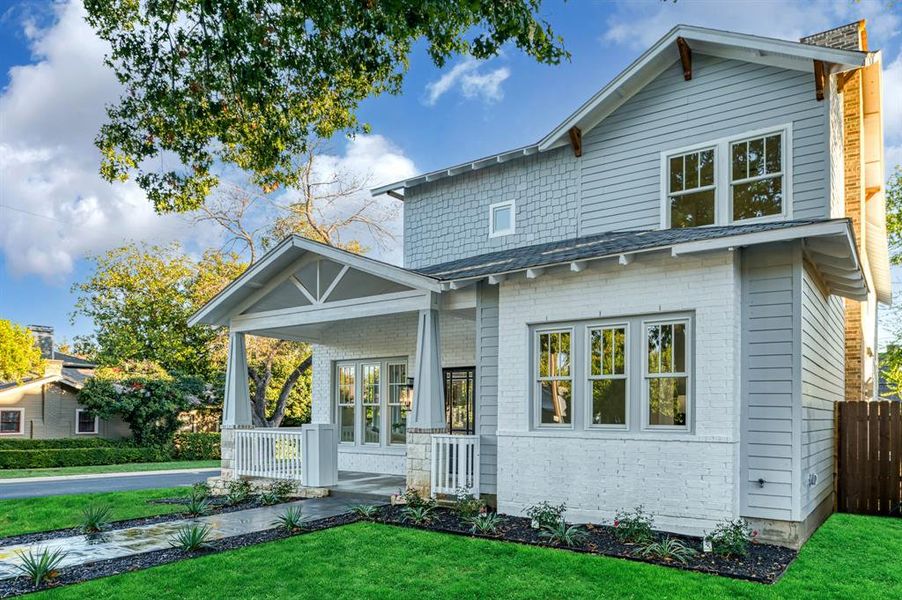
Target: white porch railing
{"x": 269, "y": 453}
{"x": 455, "y": 463}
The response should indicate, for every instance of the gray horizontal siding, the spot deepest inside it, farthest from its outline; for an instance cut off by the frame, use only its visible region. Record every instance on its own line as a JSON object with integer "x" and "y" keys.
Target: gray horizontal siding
{"x": 621, "y": 169}
{"x": 487, "y": 385}
{"x": 769, "y": 376}
{"x": 823, "y": 371}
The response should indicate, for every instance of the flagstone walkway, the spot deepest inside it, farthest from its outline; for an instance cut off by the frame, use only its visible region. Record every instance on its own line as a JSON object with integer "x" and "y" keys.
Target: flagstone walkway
{"x": 116, "y": 543}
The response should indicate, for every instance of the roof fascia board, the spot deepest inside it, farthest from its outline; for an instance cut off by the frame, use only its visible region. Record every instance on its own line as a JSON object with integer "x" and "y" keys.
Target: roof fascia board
{"x": 30, "y": 384}
{"x": 765, "y": 237}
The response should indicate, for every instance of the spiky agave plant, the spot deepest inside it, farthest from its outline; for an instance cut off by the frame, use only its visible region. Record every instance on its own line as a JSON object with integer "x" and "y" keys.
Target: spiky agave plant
{"x": 564, "y": 534}
{"x": 291, "y": 520}
{"x": 40, "y": 565}
{"x": 94, "y": 518}
{"x": 191, "y": 538}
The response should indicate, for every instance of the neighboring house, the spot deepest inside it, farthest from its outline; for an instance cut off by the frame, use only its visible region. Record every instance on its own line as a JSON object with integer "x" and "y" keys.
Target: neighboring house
{"x": 659, "y": 303}
{"x": 47, "y": 407}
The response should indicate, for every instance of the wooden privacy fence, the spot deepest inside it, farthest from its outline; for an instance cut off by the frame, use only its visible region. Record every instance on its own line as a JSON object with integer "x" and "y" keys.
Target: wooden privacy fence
{"x": 870, "y": 457}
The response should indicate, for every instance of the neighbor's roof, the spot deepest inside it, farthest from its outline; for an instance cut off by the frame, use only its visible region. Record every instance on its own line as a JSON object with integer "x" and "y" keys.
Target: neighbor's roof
{"x": 725, "y": 44}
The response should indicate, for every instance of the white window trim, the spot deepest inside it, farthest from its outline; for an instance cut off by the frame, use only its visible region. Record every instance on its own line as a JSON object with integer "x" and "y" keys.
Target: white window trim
{"x": 589, "y": 378}
{"x": 723, "y": 201}
{"x": 690, "y": 350}
{"x": 78, "y": 411}
{"x": 21, "y": 412}
{"x": 384, "y": 417}
{"x": 501, "y": 232}
{"x": 536, "y": 383}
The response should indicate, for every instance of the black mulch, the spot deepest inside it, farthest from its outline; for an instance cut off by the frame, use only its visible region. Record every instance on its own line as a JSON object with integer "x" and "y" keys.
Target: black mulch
{"x": 764, "y": 564}
{"x": 217, "y": 507}
{"x": 116, "y": 566}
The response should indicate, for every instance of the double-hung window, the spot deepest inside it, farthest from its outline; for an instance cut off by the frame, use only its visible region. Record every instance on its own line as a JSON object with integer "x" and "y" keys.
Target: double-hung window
{"x": 691, "y": 192}
{"x": 347, "y": 395}
{"x": 371, "y": 378}
{"x": 397, "y": 391}
{"x": 731, "y": 180}
{"x": 666, "y": 374}
{"x": 85, "y": 422}
{"x": 554, "y": 380}
{"x": 607, "y": 376}
{"x": 371, "y": 401}
{"x": 12, "y": 421}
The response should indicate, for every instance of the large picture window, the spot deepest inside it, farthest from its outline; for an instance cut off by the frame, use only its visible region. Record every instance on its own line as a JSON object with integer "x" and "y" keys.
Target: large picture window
{"x": 371, "y": 401}
{"x": 607, "y": 376}
{"x": 554, "y": 379}
{"x": 667, "y": 378}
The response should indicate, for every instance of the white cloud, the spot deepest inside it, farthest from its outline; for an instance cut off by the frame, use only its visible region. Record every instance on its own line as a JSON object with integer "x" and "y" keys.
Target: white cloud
{"x": 640, "y": 24}
{"x": 472, "y": 83}
{"x": 892, "y": 113}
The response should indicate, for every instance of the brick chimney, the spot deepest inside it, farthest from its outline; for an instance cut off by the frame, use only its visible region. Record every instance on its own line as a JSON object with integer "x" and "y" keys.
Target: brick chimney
{"x": 43, "y": 338}
{"x": 852, "y": 36}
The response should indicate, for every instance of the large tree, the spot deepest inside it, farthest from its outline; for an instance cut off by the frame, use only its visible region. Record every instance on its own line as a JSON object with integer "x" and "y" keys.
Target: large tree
{"x": 251, "y": 82}
{"x": 19, "y": 355}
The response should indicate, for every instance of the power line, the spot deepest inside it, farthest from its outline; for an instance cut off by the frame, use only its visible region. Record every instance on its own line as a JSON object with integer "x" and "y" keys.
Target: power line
{"x": 33, "y": 214}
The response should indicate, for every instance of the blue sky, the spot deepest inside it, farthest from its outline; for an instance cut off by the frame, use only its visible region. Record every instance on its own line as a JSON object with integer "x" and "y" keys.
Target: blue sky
{"x": 55, "y": 211}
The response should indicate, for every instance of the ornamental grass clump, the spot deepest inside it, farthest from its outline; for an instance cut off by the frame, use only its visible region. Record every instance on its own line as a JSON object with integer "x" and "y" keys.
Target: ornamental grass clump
{"x": 731, "y": 539}
{"x": 668, "y": 549}
{"x": 94, "y": 518}
{"x": 191, "y": 538}
{"x": 563, "y": 534}
{"x": 291, "y": 520}
{"x": 40, "y": 565}
{"x": 633, "y": 527}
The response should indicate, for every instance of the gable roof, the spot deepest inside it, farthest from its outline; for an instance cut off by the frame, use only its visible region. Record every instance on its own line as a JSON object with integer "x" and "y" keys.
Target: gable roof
{"x": 725, "y": 44}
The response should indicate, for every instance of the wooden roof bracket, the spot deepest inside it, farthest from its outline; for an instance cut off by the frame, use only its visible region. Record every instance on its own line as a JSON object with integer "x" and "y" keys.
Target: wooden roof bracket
{"x": 820, "y": 79}
{"x": 685, "y": 58}
{"x": 576, "y": 141}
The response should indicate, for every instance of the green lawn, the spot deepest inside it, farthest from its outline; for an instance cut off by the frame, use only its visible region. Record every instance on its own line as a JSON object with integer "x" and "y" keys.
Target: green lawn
{"x": 56, "y": 512}
{"x": 126, "y": 468}
{"x": 850, "y": 557}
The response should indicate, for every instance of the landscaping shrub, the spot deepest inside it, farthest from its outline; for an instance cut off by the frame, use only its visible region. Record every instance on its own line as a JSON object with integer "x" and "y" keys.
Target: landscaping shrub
{"x": 196, "y": 446}
{"x": 40, "y": 565}
{"x": 79, "y": 457}
{"x": 485, "y": 523}
{"x": 88, "y": 442}
{"x": 367, "y": 512}
{"x": 563, "y": 534}
{"x": 731, "y": 538}
{"x": 282, "y": 489}
{"x": 418, "y": 515}
{"x": 191, "y": 538}
{"x": 291, "y": 520}
{"x": 94, "y": 518}
{"x": 545, "y": 514}
{"x": 668, "y": 549}
{"x": 633, "y": 527}
{"x": 466, "y": 505}
{"x": 238, "y": 491}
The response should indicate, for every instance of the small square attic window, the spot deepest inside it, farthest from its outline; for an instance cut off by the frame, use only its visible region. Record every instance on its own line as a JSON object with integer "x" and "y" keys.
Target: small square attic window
{"x": 501, "y": 218}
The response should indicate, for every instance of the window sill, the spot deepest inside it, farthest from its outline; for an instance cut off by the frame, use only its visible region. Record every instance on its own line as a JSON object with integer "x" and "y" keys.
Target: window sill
{"x": 643, "y": 436}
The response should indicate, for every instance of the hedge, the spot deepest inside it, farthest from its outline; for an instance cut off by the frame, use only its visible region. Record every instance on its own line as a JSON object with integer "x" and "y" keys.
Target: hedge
{"x": 87, "y": 442}
{"x": 196, "y": 446}
{"x": 78, "y": 457}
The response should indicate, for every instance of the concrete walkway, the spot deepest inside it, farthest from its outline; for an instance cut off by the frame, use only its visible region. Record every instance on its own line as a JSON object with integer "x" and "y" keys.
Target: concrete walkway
{"x": 117, "y": 543}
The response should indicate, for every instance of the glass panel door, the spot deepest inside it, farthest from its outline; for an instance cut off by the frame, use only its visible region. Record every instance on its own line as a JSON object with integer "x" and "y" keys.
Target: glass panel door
{"x": 460, "y": 400}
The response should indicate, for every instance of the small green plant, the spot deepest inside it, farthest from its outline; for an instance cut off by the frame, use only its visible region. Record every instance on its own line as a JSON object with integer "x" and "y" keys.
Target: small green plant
{"x": 191, "y": 538}
{"x": 291, "y": 520}
{"x": 545, "y": 514}
{"x": 418, "y": 515}
{"x": 732, "y": 538}
{"x": 668, "y": 549}
{"x": 94, "y": 518}
{"x": 633, "y": 527}
{"x": 197, "y": 505}
{"x": 238, "y": 491}
{"x": 412, "y": 498}
{"x": 269, "y": 497}
{"x": 201, "y": 490}
{"x": 563, "y": 534}
{"x": 40, "y": 565}
{"x": 282, "y": 489}
{"x": 367, "y": 512}
{"x": 466, "y": 505}
{"x": 485, "y": 523}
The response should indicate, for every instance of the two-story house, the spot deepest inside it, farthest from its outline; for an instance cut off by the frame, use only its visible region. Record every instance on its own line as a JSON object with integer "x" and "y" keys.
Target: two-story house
{"x": 658, "y": 303}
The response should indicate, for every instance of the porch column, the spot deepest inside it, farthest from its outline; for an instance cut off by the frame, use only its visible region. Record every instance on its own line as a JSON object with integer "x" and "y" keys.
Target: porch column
{"x": 428, "y": 411}
{"x": 236, "y": 406}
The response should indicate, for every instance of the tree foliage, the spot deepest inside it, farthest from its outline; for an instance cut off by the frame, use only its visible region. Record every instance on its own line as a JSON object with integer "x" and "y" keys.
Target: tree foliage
{"x": 147, "y": 397}
{"x": 251, "y": 82}
{"x": 894, "y": 215}
{"x": 19, "y": 355}
{"x": 140, "y": 299}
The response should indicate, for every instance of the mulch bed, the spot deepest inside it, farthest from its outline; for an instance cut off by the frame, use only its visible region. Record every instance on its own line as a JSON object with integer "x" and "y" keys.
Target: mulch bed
{"x": 137, "y": 562}
{"x": 217, "y": 507}
{"x": 764, "y": 564}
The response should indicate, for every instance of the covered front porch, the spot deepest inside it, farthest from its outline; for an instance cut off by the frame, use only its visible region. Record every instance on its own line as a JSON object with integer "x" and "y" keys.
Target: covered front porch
{"x": 384, "y": 340}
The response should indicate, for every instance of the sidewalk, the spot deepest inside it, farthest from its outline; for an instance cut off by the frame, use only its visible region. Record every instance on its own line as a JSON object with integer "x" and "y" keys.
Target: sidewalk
{"x": 104, "y": 475}
{"x": 117, "y": 543}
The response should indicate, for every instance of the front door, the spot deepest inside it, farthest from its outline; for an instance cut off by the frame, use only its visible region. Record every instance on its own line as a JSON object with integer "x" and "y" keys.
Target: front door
{"x": 460, "y": 399}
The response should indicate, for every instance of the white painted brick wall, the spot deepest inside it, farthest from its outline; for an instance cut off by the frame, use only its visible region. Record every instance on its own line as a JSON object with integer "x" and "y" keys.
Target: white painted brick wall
{"x": 448, "y": 219}
{"x": 687, "y": 480}
{"x": 382, "y": 337}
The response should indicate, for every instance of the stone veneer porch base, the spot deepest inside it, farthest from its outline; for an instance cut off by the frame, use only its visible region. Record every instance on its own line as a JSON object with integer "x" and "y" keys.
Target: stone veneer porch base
{"x": 219, "y": 486}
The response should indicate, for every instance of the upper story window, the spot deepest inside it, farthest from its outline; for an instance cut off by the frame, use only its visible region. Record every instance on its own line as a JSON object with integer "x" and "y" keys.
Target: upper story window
{"x": 501, "y": 218}
{"x": 735, "y": 179}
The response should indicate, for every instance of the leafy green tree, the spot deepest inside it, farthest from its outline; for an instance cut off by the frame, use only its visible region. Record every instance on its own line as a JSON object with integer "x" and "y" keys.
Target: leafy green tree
{"x": 146, "y": 397}
{"x": 251, "y": 82}
{"x": 894, "y": 215}
{"x": 19, "y": 355}
{"x": 140, "y": 299}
